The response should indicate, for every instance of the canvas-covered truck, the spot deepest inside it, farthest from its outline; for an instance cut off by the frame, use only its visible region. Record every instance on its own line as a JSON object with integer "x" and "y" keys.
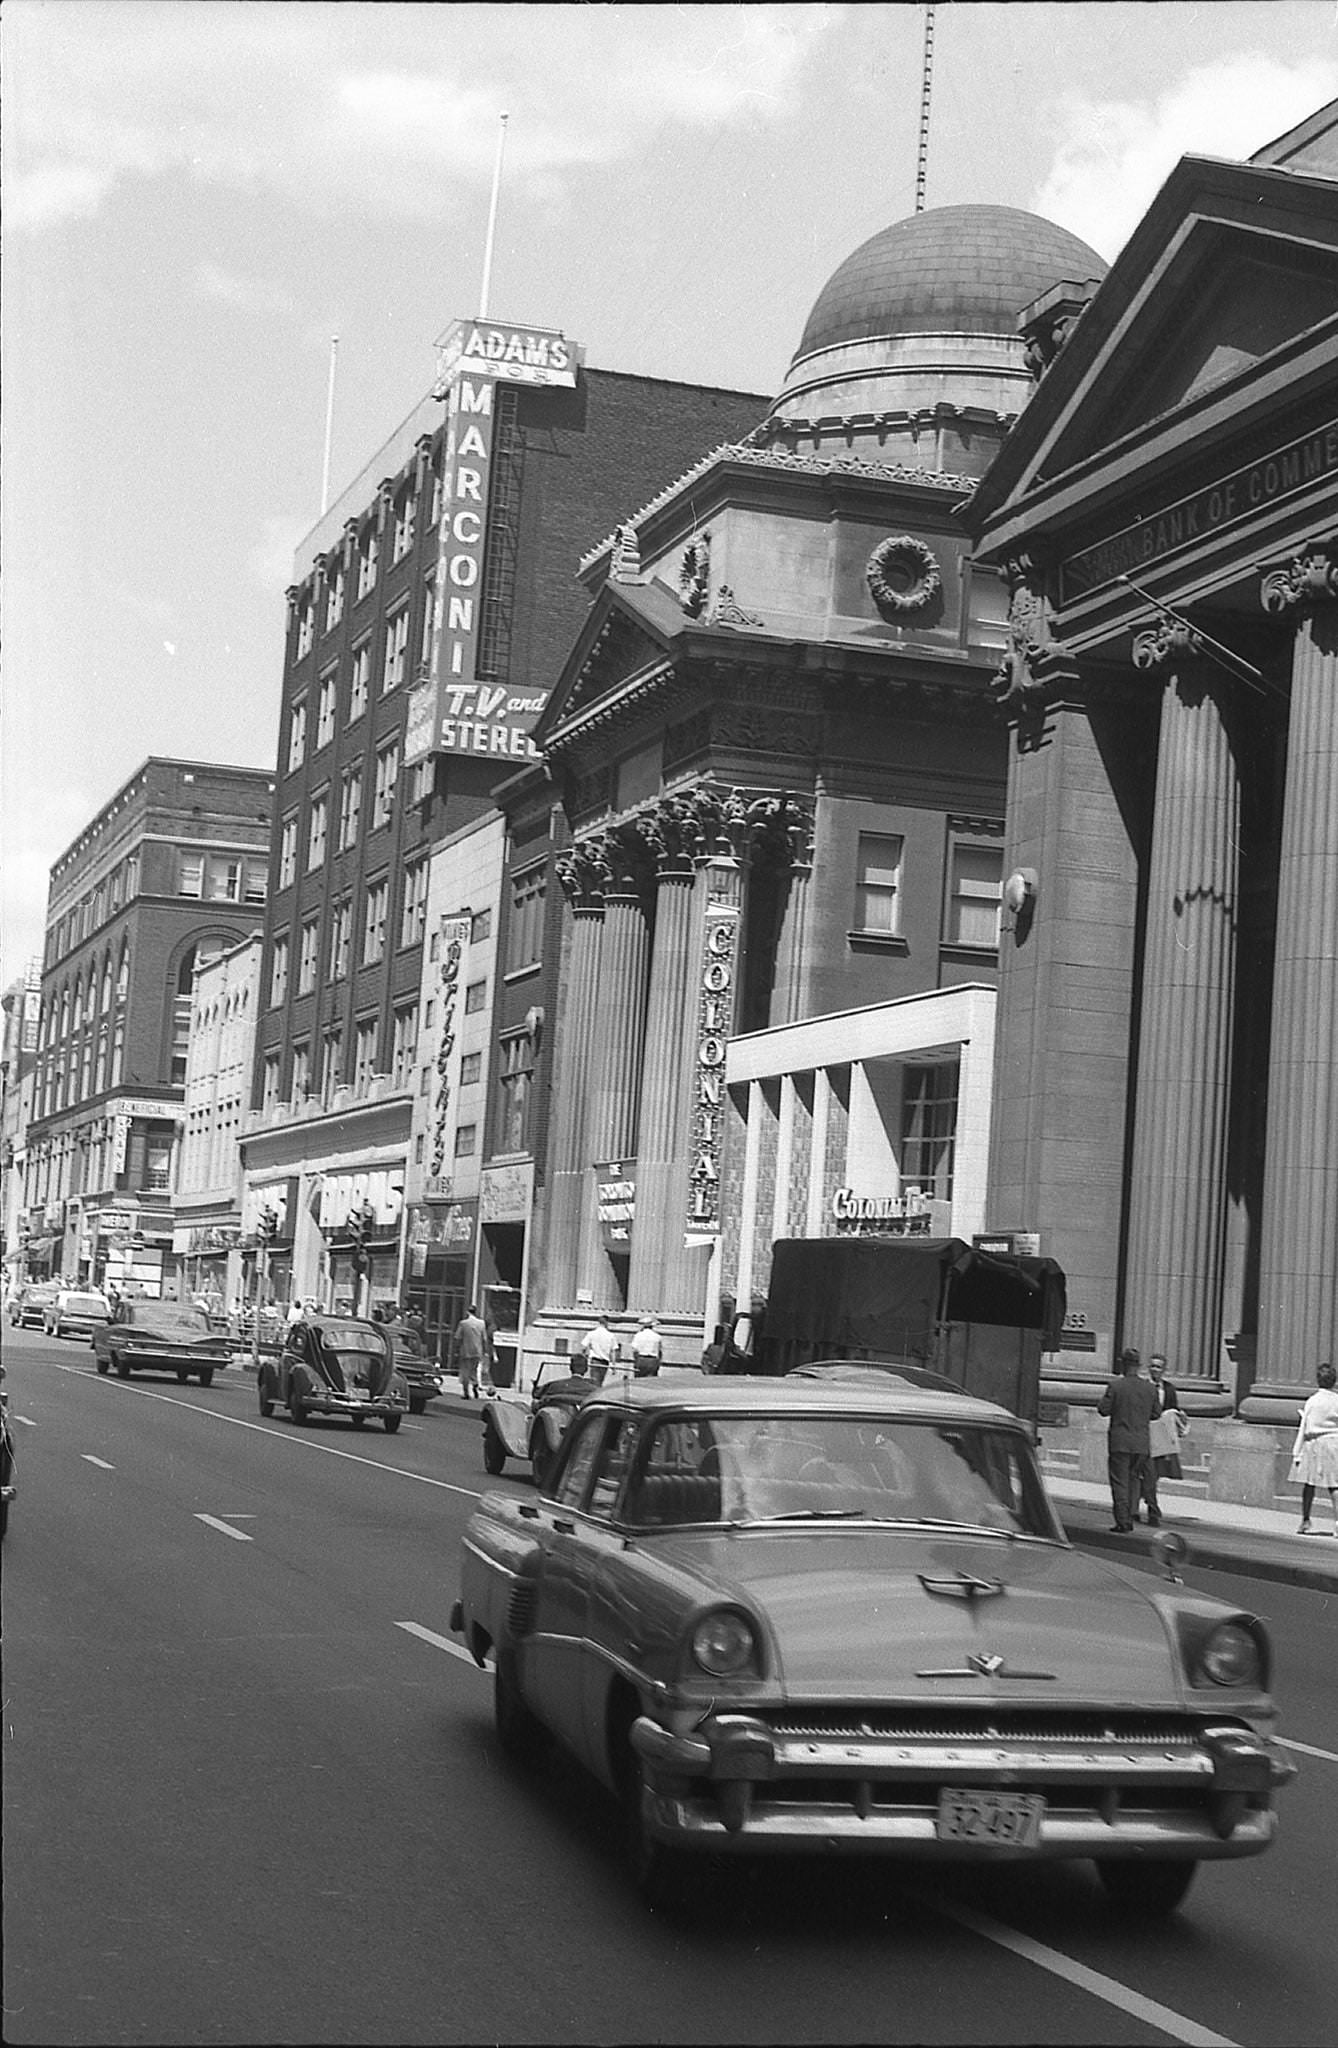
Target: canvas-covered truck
{"x": 981, "y": 1319}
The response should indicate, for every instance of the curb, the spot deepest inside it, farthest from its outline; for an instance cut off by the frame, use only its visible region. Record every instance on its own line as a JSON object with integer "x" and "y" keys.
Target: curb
{"x": 1211, "y": 1551}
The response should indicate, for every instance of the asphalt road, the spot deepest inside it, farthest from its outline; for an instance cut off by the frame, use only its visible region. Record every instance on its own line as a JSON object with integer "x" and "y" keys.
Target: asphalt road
{"x": 252, "y": 1793}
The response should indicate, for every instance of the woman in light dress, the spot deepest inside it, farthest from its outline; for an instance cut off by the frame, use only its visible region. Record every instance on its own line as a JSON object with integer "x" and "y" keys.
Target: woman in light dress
{"x": 1315, "y": 1452}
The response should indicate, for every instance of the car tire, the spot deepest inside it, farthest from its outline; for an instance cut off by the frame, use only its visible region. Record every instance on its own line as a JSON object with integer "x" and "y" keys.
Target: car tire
{"x": 206, "y": 1375}
{"x": 122, "y": 1368}
{"x": 182, "y": 1377}
{"x": 297, "y": 1408}
{"x": 494, "y": 1451}
{"x": 519, "y": 1732}
{"x": 541, "y": 1458}
{"x": 417, "y": 1404}
{"x": 661, "y": 1874}
{"x": 102, "y": 1364}
{"x": 264, "y": 1397}
{"x": 392, "y": 1423}
{"x": 1147, "y": 1890}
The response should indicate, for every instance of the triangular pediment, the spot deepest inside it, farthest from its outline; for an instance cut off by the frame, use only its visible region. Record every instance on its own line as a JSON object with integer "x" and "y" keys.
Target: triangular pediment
{"x": 1232, "y": 272}
{"x": 628, "y": 635}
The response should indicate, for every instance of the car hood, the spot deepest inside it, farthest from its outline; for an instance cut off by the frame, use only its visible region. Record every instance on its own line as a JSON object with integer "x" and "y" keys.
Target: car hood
{"x": 867, "y": 1611}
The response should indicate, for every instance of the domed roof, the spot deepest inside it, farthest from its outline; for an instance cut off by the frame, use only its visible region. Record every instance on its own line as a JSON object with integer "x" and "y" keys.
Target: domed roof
{"x": 953, "y": 270}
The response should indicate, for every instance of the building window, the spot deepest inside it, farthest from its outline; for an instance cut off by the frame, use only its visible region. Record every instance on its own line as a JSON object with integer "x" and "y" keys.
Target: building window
{"x": 434, "y": 510}
{"x": 297, "y": 733}
{"x": 278, "y": 972}
{"x": 425, "y": 638}
{"x": 332, "y": 1061}
{"x": 325, "y": 709}
{"x": 334, "y": 598}
{"x": 364, "y": 1055}
{"x": 359, "y": 680}
{"x": 374, "y": 923}
{"x": 397, "y": 642}
{"x": 255, "y": 881}
{"x": 341, "y": 921}
{"x": 928, "y": 1130}
{"x": 525, "y": 928}
{"x": 369, "y": 548}
{"x": 301, "y": 1073}
{"x": 288, "y": 851}
{"x": 319, "y": 819}
{"x": 190, "y": 874}
{"x": 306, "y": 957}
{"x": 269, "y": 1086}
{"x": 476, "y": 996}
{"x": 350, "y": 808}
{"x": 975, "y": 883}
{"x": 387, "y": 776}
{"x": 304, "y": 628}
{"x": 480, "y": 926}
{"x": 878, "y": 888}
{"x": 515, "y": 1081}
{"x": 406, "y": 508}
{"x": 471, "y": 1069}
{"x": 404, "y": 1045}
{"x": 465, "y": 1137}
{"x": 413, "y": 913}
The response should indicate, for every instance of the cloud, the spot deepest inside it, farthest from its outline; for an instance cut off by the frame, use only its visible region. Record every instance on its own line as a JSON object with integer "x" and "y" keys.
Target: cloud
{"x": 270, "y": 558}
{"x": 388, "y": 110}
{"x": 1115, "y": 154}
{"x": 248, "y": 294}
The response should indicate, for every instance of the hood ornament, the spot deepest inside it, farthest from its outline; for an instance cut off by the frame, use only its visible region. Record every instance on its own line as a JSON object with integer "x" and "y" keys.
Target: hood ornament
{"x": 982, "y": 1664}
{"x": 961, "y": 1586}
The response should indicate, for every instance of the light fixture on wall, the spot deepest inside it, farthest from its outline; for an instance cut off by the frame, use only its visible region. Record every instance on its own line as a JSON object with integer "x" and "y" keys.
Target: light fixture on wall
{"x": 1019, "y": 897}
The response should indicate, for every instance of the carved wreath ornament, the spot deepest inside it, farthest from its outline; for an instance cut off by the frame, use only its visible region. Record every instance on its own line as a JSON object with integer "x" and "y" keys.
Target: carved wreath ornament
{"x": 903, "y": 576}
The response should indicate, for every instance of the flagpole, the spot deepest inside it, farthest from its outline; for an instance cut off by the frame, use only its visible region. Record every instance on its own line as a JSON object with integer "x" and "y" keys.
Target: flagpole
{"x": 492, "y": 219}
{"x": 329, "y": 426}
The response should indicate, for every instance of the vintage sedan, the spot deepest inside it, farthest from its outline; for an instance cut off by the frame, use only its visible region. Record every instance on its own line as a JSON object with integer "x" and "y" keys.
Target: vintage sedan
{"x": 802, "y": 1616}
{"x": 335, "y": 1365}
{"x": 75, "y": 1313}
{"x": 144, "y": 1335}
{"x": 27, "y": 1311}
{"x": 531, "y": 1426}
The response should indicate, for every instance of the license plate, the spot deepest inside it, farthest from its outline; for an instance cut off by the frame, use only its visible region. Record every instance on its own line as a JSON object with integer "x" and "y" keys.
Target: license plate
{"x": 1011, "y": 1818}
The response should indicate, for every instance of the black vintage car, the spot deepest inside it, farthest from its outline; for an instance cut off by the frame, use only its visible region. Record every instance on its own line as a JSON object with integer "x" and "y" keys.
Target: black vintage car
{"x": 335, "y": 1365}
{"x": 159, "y": 1336}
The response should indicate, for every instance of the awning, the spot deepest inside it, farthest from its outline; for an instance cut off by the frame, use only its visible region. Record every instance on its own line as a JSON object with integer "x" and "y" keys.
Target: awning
{"x": 38, "y": 1247}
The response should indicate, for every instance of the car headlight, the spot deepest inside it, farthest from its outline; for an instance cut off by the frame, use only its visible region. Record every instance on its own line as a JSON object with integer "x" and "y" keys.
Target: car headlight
{"x": 1230, "y": 1655}
{"x": 725, "y": 1644}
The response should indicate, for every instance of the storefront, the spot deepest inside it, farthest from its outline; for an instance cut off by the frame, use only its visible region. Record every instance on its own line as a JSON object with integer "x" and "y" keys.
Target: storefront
{"x": 441, "y": 1247}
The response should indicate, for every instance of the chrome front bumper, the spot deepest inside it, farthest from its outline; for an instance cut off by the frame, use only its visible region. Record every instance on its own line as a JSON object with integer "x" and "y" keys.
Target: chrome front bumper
{"x": 736, "y": 1783}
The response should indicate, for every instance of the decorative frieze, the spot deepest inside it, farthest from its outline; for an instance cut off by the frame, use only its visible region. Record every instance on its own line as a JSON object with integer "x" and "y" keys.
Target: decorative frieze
{"x": 694, "y": 575}
{"x": 1037, "y": 667}
{"x": 729, "y": 612}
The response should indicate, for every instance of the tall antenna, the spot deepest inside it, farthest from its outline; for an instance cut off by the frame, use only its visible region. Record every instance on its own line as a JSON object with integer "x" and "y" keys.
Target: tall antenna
{"x": 925, "y": 86}
{"x": 329, "y": 426}
{"x": 492, "y": 219}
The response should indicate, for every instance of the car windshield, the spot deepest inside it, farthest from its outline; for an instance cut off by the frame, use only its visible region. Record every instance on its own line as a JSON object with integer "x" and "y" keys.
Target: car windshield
{"x": 164, "y": 1319}
{"x": 766, "y": 1468}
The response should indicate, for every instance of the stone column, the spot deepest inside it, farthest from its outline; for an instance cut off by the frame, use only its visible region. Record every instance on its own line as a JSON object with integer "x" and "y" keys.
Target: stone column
{"x": 1298, "y": 1279}
{"x": 661, "y": 1167}
{"x": 583, "y": 881}
{"x": 614, "y": 1040}
{"x": 1177, "y": 1194}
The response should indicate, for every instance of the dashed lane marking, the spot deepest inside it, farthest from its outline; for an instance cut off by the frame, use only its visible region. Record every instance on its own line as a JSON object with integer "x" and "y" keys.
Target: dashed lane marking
{"x": 271, "y": 1434}
{"x": 427, "y": 1635}
{"x": 101, "y": 1463}
{"x": 1149, "y": 2010}
{"x": 1328, "y": 1756}
{"x": 26, "y": 1420}
{"x": 225, "y": 1528}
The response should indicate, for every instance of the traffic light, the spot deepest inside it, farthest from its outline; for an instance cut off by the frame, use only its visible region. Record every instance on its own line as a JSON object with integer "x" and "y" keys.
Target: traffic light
{"x": 269, "y": 1226}
{"x": 357, "y": 1227}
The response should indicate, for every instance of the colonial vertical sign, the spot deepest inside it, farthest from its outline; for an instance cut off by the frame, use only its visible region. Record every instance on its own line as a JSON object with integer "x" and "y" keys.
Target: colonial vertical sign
{"x": 453, "y": 938}
{"x": 455, "y": 710}
{"x": 715, "y": 1018}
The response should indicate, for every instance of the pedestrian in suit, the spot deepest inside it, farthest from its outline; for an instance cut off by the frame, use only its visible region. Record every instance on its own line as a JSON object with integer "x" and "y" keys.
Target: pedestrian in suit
{"x": 1167, "y": 1427}
{"x": 1130, "y": 1403}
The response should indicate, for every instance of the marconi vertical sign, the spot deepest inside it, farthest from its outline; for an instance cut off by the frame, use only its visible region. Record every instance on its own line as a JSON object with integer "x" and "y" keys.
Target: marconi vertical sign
{"x": 455, "y": 710}
{"x": 715, "y": 1021}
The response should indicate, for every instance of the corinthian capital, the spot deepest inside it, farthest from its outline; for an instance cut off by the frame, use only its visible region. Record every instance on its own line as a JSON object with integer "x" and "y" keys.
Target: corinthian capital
{"x": 1036, "y": 664}
{"x": 1308, "y": 580}
{"x": 1162, "y": 645}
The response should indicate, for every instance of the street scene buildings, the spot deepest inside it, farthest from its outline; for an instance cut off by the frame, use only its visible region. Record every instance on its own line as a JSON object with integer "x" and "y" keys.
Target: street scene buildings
{"x": 702, "y": 817}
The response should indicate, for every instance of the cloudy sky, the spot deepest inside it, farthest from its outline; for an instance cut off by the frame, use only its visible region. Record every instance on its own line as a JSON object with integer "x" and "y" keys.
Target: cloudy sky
{"x": 198, "y": 194}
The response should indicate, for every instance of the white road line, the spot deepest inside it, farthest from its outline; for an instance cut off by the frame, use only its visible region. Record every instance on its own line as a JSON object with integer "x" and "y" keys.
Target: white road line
{"x": 415, "y": 1628}
{"x": 274, "y": 1436}
{"x": 225, "y": 1529}
{"x": 101, "y": 1463}
{"x": 1149, "y": 2010}
{"x": 1307, "y": 1749}
{"x": 26, "y": 1420}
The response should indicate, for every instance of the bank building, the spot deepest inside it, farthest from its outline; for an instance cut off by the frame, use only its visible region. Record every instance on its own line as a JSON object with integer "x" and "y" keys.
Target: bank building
{"x": 783, "y": 772}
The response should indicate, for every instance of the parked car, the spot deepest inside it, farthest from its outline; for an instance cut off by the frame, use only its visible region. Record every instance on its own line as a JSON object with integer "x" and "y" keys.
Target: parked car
{"x": 531, "y": 1426}
{"x": 75, "y": 1313}
{"x": 160, "y": 1336}
{"x": 800, "y": 1616}
{"x": 29, "y": 1306}
{"x": 419, "y": 1371}
{"x": 335, "y": 1365}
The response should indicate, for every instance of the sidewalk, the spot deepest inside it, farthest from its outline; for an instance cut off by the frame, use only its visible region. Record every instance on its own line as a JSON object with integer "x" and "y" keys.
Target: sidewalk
{"x": 1261, "y": 1543}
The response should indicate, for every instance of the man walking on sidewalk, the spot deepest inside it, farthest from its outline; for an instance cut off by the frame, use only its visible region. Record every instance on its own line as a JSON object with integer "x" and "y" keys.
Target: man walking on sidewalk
{"x": 1130, "y": 1401}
